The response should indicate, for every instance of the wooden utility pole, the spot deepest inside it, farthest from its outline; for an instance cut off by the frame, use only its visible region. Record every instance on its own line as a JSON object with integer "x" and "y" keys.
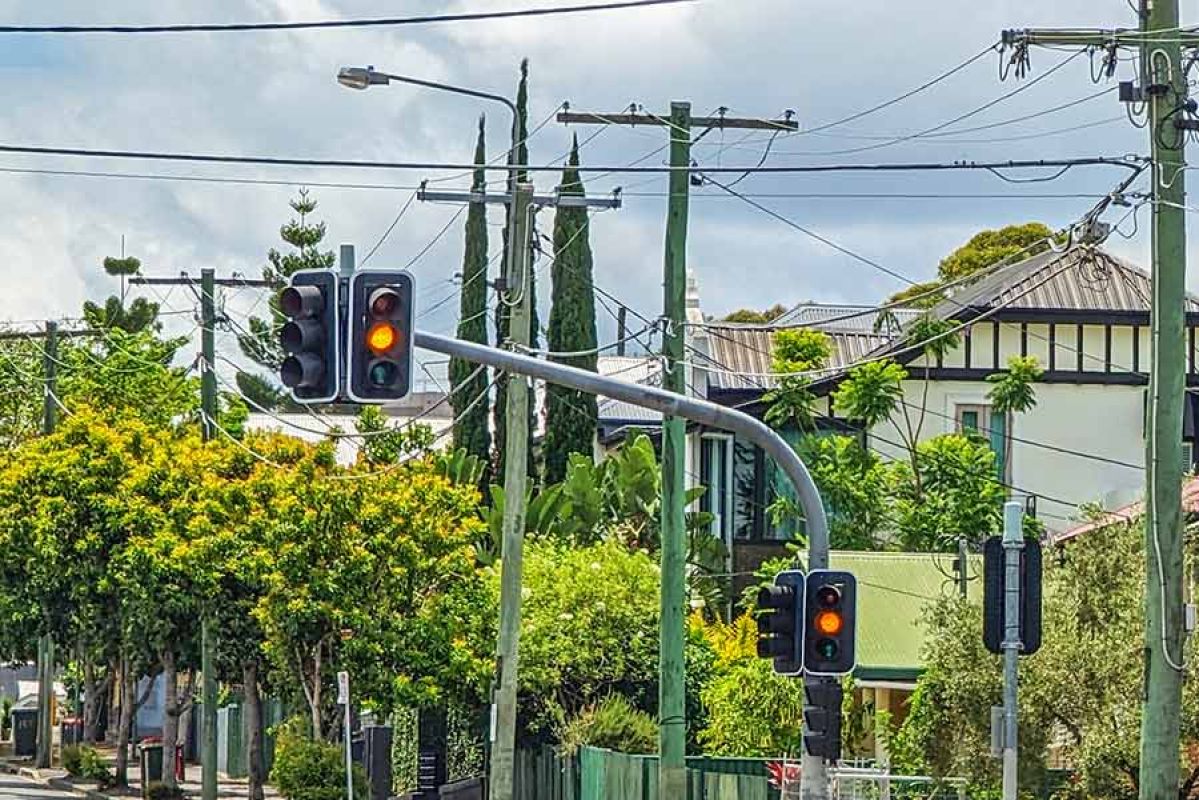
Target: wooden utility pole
{"x": 1164, "y": 90}
{"x": 672, "y": 714}
{"x": 45, "y": 644}
{"x": 518, "y": 297}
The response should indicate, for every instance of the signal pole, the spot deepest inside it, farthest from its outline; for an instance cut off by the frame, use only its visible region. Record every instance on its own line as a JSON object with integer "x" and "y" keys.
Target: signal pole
{"x": 672, "y": 713}
{"x": 1013, "y": 543}
{"x": 1163, "y": 89}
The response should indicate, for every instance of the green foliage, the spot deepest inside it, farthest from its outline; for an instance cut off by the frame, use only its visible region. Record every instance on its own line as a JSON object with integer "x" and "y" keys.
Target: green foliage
{"x": 520, "y": 155}
{"x": 935, "y": 336}
{"x": 1013, "y": 391}
{"x": 800, "y": 349}
{"x": 956, "y": 495}
{"x": 919, "y": 295}
{"x": 749, "y": 316}
{"x": 752, "y": 712}
{"x": 613, "y": 724}
{"x": 989, "y": 247}
{"x": 308, "y": 770}
{"x": 468, "y": 383}
{"x": 259, "y": 392}
{"x": 1085, "y": 681}
{"x": 871, "y": 392}
{"x": 260, "y": 343}
{"x": 122, "y": 266}
{"x": 589, "y": 628}
{"x": 386, "y": 444}
{"x": 853, "y": 484}
{"x": 85, "y": 762}
{"x": 139, "y": 315}
{"x": 791, "y": 402}
{"x": 571, "y": 416}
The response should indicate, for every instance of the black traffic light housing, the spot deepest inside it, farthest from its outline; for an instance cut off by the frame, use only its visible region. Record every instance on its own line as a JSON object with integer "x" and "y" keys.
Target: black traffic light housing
{"x": 311, "y": 337}
{"x": 780, "y": 609}
{"x": 994, "y": 618}
{"x": 830, "y": 623}
{"x": 822, "y": 719}
{"x": 379, "y": 350}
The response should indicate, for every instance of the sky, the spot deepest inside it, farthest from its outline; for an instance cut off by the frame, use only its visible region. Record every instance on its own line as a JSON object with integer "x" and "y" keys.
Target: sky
{"x": 274, "y": 94}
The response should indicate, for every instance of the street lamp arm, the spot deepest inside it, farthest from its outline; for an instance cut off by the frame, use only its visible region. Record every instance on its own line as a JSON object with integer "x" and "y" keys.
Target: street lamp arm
{"x": 449, "y": 88}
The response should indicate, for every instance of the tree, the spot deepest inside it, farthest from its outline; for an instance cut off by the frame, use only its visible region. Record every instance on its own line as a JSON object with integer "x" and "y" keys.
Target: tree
{"x": 984, "y": 250}
{"x": 572, "y": 417}
{"x": 853, "y": 485}
{"x": 795, "y": 350}
{"x": 753, "y": 317}
{"x": 261, "y": 342}
{"x": 518, "y": 155}
{"x": 1013, "y": 392}
{"x": 1086, "y": 679}
{"x": 467, "y": 381}
{"x": 138, "y": 316}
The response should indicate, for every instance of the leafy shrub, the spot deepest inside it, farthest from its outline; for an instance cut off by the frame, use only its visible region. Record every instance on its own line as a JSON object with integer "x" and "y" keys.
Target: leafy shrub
{"x": 613, "y": 724}
{"x": 157, "y": 790}
{"x": 308, "y": 770}
{"x": 82, "y": 761}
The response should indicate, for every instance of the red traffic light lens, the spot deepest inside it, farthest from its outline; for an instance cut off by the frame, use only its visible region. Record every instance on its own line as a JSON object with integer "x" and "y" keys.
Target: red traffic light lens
{"x": 828, "y": 596}
{"x": 381, "y": 337}
{"x": 384, "y": 303}
{"x": 830, "y": 623}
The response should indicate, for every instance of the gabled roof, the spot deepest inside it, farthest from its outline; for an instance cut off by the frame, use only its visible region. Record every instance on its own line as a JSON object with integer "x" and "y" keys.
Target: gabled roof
{"x": 855, "y": 319}
{"x": 1082, "y": 278}
{"x": 747, "y": 349}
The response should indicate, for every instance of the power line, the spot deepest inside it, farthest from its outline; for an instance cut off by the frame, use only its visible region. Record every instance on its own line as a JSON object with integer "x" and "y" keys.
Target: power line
{"x": 1127, "y": 161}
{"x": 379, "y": 22}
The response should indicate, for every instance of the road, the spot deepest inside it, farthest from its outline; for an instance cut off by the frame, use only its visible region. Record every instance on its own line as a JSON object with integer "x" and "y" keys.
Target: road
{"x": 13, "y": 787}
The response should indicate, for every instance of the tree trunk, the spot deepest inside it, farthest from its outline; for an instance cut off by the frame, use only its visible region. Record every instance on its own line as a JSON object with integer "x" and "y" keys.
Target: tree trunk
{"x": 170, "y": 717}
{"x": 314, "y": 697}
{"x": 96, "y": 696}
{"x": 253, "y": 722}
{"x": 117, "y": 679}
{"x": 128, "y": 686}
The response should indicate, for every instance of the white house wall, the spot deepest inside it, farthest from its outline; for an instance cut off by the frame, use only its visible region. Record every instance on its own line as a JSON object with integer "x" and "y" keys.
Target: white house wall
{"x": 1102, "y": 420}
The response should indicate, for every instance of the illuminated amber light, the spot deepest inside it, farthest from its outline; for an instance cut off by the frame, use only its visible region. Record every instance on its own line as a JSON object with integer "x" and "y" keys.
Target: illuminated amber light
{"x": 829, "y": 623}
{"x": 381, "y": 337}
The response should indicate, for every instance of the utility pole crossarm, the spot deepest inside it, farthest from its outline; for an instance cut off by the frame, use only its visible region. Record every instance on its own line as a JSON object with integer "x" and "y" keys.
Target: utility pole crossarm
{"x": 1092, "y": 37}
{"x": 540, "y": 200}
{"x": 186, "y": 280}
{"x": 730, "y": 123}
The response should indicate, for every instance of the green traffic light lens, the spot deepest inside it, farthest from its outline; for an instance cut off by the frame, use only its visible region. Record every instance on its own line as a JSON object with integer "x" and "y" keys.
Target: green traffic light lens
{"x": 826, "y": 649}
{"x": 383, "y": 373}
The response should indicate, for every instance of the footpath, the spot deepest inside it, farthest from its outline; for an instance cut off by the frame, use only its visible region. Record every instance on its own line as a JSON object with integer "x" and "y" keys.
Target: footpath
{"x": 59, "y": 780}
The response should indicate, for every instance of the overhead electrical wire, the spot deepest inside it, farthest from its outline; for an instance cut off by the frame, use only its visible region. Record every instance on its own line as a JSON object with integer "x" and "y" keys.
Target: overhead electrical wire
{"x": 379, "y": 22}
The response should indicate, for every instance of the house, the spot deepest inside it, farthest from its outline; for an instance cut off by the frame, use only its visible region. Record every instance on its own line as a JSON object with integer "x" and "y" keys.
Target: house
{"x": 1083, "y": 313}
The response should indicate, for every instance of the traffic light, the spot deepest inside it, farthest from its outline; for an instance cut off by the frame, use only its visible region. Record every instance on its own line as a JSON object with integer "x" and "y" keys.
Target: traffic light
{"x": 311, "y": 336}
{"x": 380, "y": 332}
{"x": 830, "y": 620}
{"x": 780, "y": 608}
{"x": 994, "y": 618}
{"x": 822, "y": 719}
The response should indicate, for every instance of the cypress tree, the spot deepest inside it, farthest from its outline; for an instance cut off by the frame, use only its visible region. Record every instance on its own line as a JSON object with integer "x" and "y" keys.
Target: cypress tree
{"x": 470, "y": 426}
{"x": 521, "y": 155}
{"x": 571, "y": 416}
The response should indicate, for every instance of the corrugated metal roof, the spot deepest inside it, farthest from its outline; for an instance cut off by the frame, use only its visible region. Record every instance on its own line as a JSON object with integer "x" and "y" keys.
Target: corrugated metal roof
{"x": 860, "y": 319}
{"x": 645, "y": 370}
{"x": 747, "y": 349}
{"x": 1079, "y": 279}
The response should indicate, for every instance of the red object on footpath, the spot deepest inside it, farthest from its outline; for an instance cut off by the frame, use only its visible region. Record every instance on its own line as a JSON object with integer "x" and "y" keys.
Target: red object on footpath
{"x": 179, "y": 771}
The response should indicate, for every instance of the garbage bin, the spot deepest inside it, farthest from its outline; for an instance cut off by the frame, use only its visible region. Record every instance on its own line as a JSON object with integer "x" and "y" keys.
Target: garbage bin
{"x": 72, "y": 731}
{"x": 24, "y": 732}
{"x": 150, "y": 754}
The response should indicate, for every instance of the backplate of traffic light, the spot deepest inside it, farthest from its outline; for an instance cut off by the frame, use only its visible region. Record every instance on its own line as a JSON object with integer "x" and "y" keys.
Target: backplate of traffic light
{"x": 379, "y": 347}
{"x": 780, "y": 607}
{"x": 311, "y": 337}
{"x": 994, "y": 607}
{"x": 830, "y": 623}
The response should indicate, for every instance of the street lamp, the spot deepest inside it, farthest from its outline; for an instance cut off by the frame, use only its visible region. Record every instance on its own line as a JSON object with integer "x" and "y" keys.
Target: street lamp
{"x": 364, "y": 77}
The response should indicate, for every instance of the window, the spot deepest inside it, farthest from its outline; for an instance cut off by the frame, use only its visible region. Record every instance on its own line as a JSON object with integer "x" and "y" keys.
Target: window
{"x": 716, "y": 473}
{"x": 978, "y": 419}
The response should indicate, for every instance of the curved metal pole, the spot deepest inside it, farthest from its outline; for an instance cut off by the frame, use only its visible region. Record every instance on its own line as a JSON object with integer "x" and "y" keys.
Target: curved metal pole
{"x": 669, "y": 403}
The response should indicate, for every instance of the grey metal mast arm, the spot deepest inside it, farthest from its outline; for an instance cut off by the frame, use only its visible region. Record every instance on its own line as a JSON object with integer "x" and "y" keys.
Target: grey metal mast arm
{"x": 669, "y": 403}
